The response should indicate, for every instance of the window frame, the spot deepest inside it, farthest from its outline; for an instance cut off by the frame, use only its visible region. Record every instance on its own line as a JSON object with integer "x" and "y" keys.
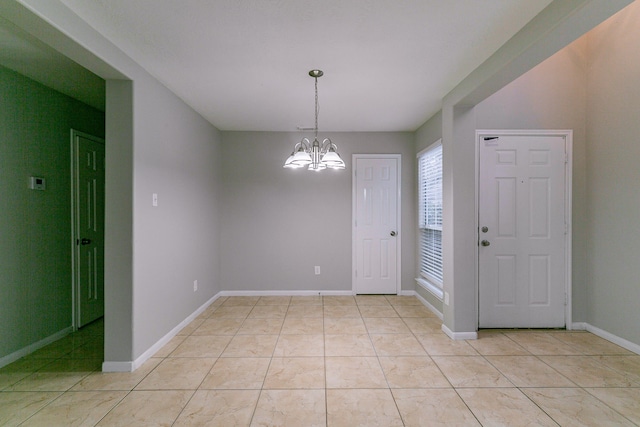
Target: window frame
{"x": 430, "y": 218}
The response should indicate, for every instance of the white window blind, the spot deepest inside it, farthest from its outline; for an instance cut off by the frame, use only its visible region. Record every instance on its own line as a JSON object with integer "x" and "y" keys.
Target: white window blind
{"x": 430, "y": 213}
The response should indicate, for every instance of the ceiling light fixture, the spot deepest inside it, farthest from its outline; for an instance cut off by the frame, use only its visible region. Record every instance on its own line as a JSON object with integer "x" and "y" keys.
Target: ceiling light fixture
{"x": 317, "y": 156}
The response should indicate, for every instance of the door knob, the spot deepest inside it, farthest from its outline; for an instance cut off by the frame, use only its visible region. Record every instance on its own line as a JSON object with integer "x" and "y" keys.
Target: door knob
{"x": 393, "y": 233}
{"x": 85, "y": 241}
{"x": 485, "y": 243}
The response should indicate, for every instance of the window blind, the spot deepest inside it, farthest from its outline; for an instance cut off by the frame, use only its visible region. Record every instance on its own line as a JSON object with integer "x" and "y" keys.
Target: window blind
{"x": 430, "y": 213}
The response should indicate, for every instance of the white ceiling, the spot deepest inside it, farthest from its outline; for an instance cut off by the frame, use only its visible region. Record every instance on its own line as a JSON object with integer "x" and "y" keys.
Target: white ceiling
{"x": 243, "y": 64}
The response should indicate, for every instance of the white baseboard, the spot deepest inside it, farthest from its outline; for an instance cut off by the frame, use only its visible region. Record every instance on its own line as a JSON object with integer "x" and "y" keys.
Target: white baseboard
{"x": 631, "y": 346}
{"x": 130, "y": 366}
{"x": 426, "y": 304}
{"x": 283, "y": 293}
{"x": 459, "y": 335}
{"x": 10, "y": 358}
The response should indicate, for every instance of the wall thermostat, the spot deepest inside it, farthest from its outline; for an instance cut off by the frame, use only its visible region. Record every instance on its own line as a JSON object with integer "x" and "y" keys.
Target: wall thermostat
{"x": 37, "y": 183}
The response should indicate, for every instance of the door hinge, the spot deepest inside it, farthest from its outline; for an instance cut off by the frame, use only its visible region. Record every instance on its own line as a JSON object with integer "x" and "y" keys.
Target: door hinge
{"x": 566, "y": 158}
{"x": 566, "y": 228}
{"x": 566, "y": 299}
{"x": 356, "y": 273}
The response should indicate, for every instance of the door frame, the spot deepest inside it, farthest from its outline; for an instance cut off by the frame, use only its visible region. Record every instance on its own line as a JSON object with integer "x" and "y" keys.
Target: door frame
{"x": 567, "y": 134}
{"x": 354, "y": 246}
{"x": 75, "y": 250}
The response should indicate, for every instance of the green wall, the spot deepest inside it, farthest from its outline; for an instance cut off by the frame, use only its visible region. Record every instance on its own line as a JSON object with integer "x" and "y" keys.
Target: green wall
{"x": 35, "y": 226}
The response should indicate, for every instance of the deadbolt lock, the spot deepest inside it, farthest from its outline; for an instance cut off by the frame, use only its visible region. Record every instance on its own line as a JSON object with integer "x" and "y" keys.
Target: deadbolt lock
{"x": 485, "y": 229}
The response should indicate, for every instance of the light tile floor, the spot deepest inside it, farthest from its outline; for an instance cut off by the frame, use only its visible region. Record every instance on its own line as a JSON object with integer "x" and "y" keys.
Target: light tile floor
{"x": 328, "y": 361}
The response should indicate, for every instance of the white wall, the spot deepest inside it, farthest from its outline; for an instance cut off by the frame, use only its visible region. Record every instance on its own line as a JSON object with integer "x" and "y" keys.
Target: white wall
{"x": 279, "y": 223}
{"x": 613, "y": 176}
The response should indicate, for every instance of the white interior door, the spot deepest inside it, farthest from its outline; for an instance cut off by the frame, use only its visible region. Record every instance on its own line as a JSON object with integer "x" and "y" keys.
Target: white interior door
{"x": 521, "y": 209}
{"x": 88, "y": 227}
{"x": 376, "y": 224}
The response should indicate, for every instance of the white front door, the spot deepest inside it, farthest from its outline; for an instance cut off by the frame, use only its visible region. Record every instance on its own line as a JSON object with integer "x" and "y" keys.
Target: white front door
{"x": 521, "y": 209}
{"x": 376, "y": 224}
{"x": 88, "y": 214}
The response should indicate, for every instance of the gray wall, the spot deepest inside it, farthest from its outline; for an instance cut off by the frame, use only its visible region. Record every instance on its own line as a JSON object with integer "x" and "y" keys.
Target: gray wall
{"x": 613, "y": 176}
{"x": 177, "y": 156}
{"x": 552, "y": 95}
{"x": 35, "y": 226}
{"x": 279, "y": 223}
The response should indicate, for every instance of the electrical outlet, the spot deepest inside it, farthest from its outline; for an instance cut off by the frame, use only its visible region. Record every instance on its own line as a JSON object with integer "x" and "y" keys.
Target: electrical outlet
{"x": 195, "y": 285}
{"x": 317, "y": 269}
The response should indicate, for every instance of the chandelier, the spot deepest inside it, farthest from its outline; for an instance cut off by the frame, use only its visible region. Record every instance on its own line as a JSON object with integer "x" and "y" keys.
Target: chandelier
{"x": 315, "y": 155}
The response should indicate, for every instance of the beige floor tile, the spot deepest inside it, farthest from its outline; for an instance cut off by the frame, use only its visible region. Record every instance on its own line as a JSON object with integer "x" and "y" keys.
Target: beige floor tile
{"x": 377, "y": 311}
{"x": 338, "y": 300}
{"x": 348, "y": 345}
{"x": 354, "y": 372}
{"x": 625, "y": 401}
{"x": 15, "y": 407}
{"x": 470, "y": 371}
{"x": 274, "y": 300}
{"x": 202, "y": 346}
{"x": 237, "y": 373}
{"x": 232, "y": 311}
{"x": 340, "y": 311}
{"x": 587, "y": 371}
{"x": 219, "y": 408}
{"x": 428, "y": 407}
{"x": 304, "y": 311}
{"x": 299, "y": 345}
{"x": 188, "y": 330}
{"x": 268, "y": 312}
{"x": 170, "y": 346}
{"x": 496, "y": 344}
{"x": 22, "y": 368}
{"x": 575, "y": 407}
{"x": 306, "y": 300}
{"x": 441, "y": 345}
{"x": 424, "y": 325}
{"x": 54, "y": 350}
{"x": 219, "y": 326}
{"x": 116, "y": 380}
{"x": 240, "y": 301}
{"x": 253, "y": 326}
{"x": 396, "y": 300}
{"x": 251, "y": 346}
{"x": 290, "y": 408}
{"x": 347, "y": 325}
{"x": 148, "y": 408}
{"x": 303, "y": 325}
{"x": 414, "y": 311}
{"x": 412, "y": 372}
{"x": 590, "y": 344}
{"x": 350, "y": 408}
{"x": 60, "y": 375}
{"x": 386, "y": 325}
{"x": 295, "y": 372}
{"x": 76, "y": 409}
{"x": 177, "y": 374}
{"x": 397, "y": 345}
{"x": 541, "y": 343}
{"x": 629, "y": 366}
{"x": 529, "y": 371}
{"x": 504, "y": 407}
{"x": 374, "y": 300}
